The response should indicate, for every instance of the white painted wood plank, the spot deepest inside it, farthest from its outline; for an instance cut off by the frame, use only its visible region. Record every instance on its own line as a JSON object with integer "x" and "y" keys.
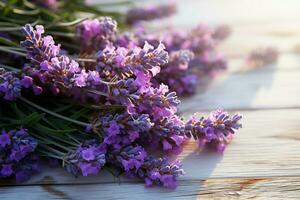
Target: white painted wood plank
{"x": 249, "y": 90}
{"x": 286, "y": 61}
{"x": 258, "y": 188}
{"x": 241, "y": 43}
{"x": 267, "y": 12}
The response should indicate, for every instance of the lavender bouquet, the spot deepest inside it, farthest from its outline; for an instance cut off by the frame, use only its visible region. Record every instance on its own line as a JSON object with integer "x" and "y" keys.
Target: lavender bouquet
{"x": 99, "y": 106}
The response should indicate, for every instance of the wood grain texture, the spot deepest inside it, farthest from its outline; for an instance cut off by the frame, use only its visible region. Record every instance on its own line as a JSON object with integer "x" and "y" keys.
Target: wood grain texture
{"x": 238, "y": 188}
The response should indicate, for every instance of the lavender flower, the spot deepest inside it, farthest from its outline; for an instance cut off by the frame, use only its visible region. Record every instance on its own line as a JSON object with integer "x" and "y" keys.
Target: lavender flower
{"x": 10, "y": 85}
{"x": 87, "y": 159}
{"x": 158, "y": 106}
{"x": 158, "y": 102}
{"x": 50, "y": 71}
{"x": 130, "y": 158}
{"x": 123, "y": 129}
{"x": 50, "y": 4}
{"x": 208, "y": 64}
{"x": 136, "y": 163}
{"x": 221, "y": 32}
{"x": 262, "y": 56}
{"x": 150, "y": 13}
{"x": 123, "y": 62}
{"x": 17, "y": 158}
{"x": 216, "y": 130}
{"x": 176, "y": 74}
{"x": 96, "y": 34}
{"x": 38, "y": 48}
{"x": 160, "y": 171}
{"x": 148, "y": 58}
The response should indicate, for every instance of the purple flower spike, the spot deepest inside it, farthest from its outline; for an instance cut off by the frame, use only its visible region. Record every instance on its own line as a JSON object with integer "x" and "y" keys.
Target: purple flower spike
{"x": 50, "y": 4}
{"x": 176, "y": 74}
{"x": 96, "y": 34}
{"x": 50, "y": 71}
{"x": 17, "y": 156}
{"x": 150, "y": 13}
{"x": 26, "y": 82}
{"x": 221, "y": 32}
{"x": 87, "y": 159}
{"x": 215, "y": 131}
{"x": 160, "y": 171}
{"x": 123, "y": 62}
{"x": 123, "y": 129}
{"x": 38, "y": 48}
{"x": 131, "y": 158}
{"x": 10, "y": 85}
{"x": 4, "y": 139}
{"x": 263, "y": 56}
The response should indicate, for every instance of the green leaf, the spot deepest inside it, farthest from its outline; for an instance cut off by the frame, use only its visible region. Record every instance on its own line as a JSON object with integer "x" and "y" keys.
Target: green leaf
{"x": 33, "y": 119}
{"x": 72, "y": 23}
{"x": 53, "y": 131}
{"x": 10, "y": 50}
{"x": 7, "y": 42}
{"x": 17, "y": 111}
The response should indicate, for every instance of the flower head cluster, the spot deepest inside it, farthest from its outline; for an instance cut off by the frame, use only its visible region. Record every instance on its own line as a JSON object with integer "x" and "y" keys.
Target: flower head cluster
{"x": 155, "y": 171}
{"x": 149, "y": 13}
{"x": 215, "y": 131}
{"x": 17, "y": 158}
{"x": 126, "y": 137}
{"x": 262, "y": 56}
{"x": 221, "y": 32}
{"x": 208, "y": 64}
{"x": 176, "y": 75}
{"x": 160, "y": 171}
{"x": 10, "y": 85}
{"x": 38, "y": 48}
{"x": 123, "y": 129}
{"x": 131, "y": 158}
{"x": 125, "y": 63}
{"x": 96, "y": 34}
{"x": 51, "y": 71}
{"x": 50, "y": 4}
{"x": 87, "y": 159}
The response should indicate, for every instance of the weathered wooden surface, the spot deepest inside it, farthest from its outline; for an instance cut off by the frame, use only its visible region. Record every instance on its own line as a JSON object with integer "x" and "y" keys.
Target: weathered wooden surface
{"x": 262, "y": 162}
{"x": 227, "y": 188}
{"x": 252, "y": 90}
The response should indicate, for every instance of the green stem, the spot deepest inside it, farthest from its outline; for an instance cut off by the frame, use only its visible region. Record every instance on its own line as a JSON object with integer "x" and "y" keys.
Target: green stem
{"x": 8, "y": 50}
{"x": 53, "y": 113}
{"x": 7, "y": 41}
{"x": 63, "y": 24}
{"x": 51, "y": 150}
{"x": 98, "y": 92}
{"x": 47, "y": 154}
{"x": 10, "y": 68}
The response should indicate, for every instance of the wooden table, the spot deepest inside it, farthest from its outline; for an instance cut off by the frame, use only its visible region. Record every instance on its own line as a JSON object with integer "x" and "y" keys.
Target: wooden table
{"x": 262, "y": 162}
